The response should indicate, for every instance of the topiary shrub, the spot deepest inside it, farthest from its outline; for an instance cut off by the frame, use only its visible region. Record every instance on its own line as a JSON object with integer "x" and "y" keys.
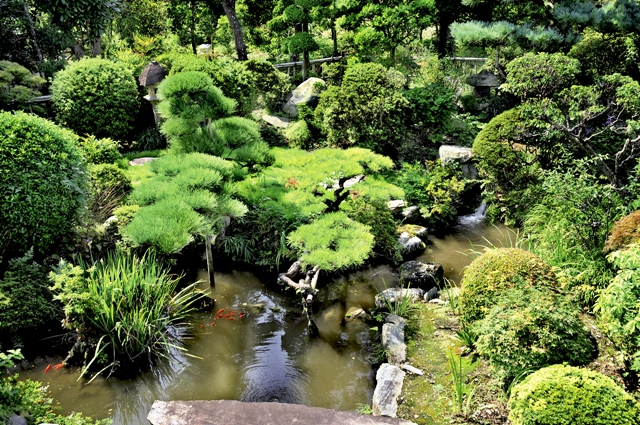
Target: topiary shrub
{"x": 529, "y": 328}
{"x": 376, "y": 214}
{"x": 272, "y": 85}
{"x": 17, "y": 85}
{"x": 568, "y": 395}
{"x": 25, "y": 300}
{"x": 42, "y": 183}
{"x": 625, "y": 232}
{"x": 108, "y": 177}
{"x": 100, "y": 151}
{"x": 495, "y": 272}
{"x": 96, "y": 96}
{"x": 299, "y": 135}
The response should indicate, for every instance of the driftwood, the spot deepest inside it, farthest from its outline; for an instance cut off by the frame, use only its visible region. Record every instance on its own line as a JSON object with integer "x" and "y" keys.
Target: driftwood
{"x": 307, "y": 289}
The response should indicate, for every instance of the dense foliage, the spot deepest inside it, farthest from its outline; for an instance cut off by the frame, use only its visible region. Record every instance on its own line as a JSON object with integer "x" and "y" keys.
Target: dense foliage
{"x": 17, "y": 86}
{"x": 97, "y": 97}
{"x": 496, "y": 271}
{"x": 43, "y": 183}
{"x": 565, "y": 394}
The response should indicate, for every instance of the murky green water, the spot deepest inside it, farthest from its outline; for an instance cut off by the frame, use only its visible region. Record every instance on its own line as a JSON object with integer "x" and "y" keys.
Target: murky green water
{"x": 267, "y": 355}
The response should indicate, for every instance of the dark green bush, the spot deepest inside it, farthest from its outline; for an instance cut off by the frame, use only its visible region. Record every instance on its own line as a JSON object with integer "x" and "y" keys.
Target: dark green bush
{"x": 431, "y": 106}
{"x": 271, "y": 84}
{"x": 100, "y": 151}
{"x": 96, "y": 96}
{"x": 42, "y": 183}
{"x": 367, "y": 110}
{"x": 301, "y": 42}
{"x": 528, "y": 329}
{"x": 149, "y": 140}
{"x": 17, "y": 85}
{"x": 25, "y": 300}
{"x": 568, "y": 395}
{"x": 495, "y": 272}
{"x": 378, "y": 217}
{"x": 103, "y": 177}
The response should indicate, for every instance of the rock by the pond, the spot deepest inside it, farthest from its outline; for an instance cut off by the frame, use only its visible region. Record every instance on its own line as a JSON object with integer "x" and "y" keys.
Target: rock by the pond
{"x": 280, "y": 122}
{"x": 431, "y": 294}
{"x": 396, "y": 205}
{"x": 17, "y": 420}
{"x": 410, "y": 246}
{"x": 305, "y": 93}
{"x": 231, "y": 412}
{"x": 394, "y": 295}
{"x": 411, "y": 369}
{"x": 393, "y": 343}
{"x": 411, "y": 212}
{"x": 385, "y": 397}
{"x": 460, "y": 154}
{"x": 416, "y": 274}
{"x": 142, "y": 161}
{"x": 413, "y": 230}
{"x": 355, "y": 312}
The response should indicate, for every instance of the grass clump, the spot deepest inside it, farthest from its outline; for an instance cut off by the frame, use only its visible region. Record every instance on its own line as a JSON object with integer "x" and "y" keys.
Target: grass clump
{"x": 496, "y": 271}
{"x": 569, "y": 395}
{"x": 124, "y": 309}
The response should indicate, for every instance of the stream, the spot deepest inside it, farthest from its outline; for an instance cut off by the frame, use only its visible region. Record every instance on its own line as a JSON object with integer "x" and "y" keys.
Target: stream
{"x": 266, "y": 356}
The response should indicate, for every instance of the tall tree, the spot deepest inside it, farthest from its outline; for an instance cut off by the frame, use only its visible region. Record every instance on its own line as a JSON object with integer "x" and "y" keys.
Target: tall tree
{"x": 229, "y": 7}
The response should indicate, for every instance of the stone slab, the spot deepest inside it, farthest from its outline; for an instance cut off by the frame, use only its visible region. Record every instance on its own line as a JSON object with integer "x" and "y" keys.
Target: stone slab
{"x": 230, "y": 412}
{"x": 385, "y": 397}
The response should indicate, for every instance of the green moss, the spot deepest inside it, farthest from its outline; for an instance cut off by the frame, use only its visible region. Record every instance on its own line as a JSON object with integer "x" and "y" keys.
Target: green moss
{"x": 411, "y": 229}
{"x": 569, "y": 395}
{"x": 496, "y": 271}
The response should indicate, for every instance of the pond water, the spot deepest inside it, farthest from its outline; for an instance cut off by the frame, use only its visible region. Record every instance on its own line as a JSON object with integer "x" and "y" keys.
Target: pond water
{"x": 265, "y": 356}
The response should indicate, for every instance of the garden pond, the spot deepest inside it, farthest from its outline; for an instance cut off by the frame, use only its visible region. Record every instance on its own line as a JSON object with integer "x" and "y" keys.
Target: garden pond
{"x": 265, "y": 355}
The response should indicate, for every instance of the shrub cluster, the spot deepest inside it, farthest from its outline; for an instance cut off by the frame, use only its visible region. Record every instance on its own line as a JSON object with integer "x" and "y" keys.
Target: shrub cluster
{"x": 96, "y": 96}
{"x": 42, "y": 185}
{"x": 100, "y": 151}
{"x": 568, "y": 395}
{"x": 625, "y": 232}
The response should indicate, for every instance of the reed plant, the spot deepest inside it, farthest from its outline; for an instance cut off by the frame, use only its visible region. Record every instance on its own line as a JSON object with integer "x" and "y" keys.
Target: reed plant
{"x": 462, "y": 392}
{"x": 129, "y": 308}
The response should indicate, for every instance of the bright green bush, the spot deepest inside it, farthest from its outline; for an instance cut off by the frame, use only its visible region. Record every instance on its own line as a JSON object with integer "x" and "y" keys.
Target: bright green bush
{"x": 530, "y": 328}
{"x": 568, "y": 395}
{"x": 367, "y": 110}
{"x": 496, "y": 271}
{"x": 108, "y": 177}
{"x": 96, "y": 96}
{"x": 432, "y": 106}
{"x": 540, "y": 75}
{"x": 100, "y": 151}
{"x": 271, "y": 84}
{"x": 301, "y": 42}
{"x": 333, "y": 242}
{"x": 299, "y": 135}
{"x": 25, "y": 299}
{"x": 42, "y": 183}
{"x": 618, "y": 305}
{"x": 17, "y": 85}
{"x": 125, "y": 308}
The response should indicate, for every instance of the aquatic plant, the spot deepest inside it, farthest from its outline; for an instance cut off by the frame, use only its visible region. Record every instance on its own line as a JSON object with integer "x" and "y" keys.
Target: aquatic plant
{"x": 123, "y": 308}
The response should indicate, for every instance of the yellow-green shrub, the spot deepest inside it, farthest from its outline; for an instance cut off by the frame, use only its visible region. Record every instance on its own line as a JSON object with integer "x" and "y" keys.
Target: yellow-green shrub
{"x": 497, "y": 271}
{"x": 568, "y": 395}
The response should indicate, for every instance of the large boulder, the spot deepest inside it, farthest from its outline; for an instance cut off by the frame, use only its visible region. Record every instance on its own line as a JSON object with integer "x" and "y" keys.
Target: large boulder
{"x": 410, "y": 246}
{"x": 305, "y": 93}
{"x": 393, "y": 339}
{"x": 460, "y": 154}
{"x": 388, "y": 388}
{"x": 425, "y": 276}
{"x": 394, "y": 295}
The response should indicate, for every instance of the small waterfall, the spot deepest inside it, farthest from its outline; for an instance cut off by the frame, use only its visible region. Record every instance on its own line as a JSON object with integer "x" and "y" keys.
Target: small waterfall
{"x": 472, "y": 219}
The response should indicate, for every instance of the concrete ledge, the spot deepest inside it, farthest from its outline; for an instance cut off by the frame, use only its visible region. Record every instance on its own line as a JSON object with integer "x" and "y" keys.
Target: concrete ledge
{"x": 228, "y": 412}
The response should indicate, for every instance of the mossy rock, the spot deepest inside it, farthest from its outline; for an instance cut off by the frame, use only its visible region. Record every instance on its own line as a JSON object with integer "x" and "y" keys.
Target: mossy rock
{"x": 413, "y": 230}
{"x": 625, "y": 232}
{"x": 495, "y": 272}
{"x": 569, "y": 395}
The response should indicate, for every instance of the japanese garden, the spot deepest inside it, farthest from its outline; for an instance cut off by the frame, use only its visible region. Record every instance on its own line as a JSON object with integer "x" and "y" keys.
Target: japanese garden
{"x": 320, "y": 211}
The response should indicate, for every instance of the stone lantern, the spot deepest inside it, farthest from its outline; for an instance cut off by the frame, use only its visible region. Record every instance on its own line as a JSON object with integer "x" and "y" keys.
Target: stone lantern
{"x": 482, "y": 83}
{"x": 151, "y": 76}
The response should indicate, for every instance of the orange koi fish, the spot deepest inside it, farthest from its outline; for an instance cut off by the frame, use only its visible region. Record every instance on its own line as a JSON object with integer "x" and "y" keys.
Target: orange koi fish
{"x": 58, "y": 366}
{"x": 213, "y": 323}
{"x": 47, "y": 368}
{"x": 219, "y": 311}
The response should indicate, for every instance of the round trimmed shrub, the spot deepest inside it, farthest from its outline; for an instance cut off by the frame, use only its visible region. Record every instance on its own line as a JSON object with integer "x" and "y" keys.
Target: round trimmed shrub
{"x": 96, "y": 96}
{"x": 108, "y": 177}
{"x": 625, "y": 232}
{"x": 42, "y": 182}
{"x": 531, "y": 328}
{"x": 568, "y": 395}
{"x": 540, "y": 75}
{"x": 497, "y": 271}
{"x": 100, "y": 151}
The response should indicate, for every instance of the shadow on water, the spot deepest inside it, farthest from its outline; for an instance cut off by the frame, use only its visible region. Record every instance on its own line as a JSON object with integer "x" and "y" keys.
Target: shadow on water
{"x": 265, "y": 356}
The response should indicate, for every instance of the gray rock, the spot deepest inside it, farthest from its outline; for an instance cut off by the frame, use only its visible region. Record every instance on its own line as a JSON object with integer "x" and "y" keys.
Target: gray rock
{"x": 394, "y": 318}
{"x": 411, "y": 369}
{"x": 110, "y": 222}
{"x": 17, "y": 420}
{"x": 462, "y": 155}
{"x": 437, "y": 301}
{"x": 483, "y": 79}
{"x": 303, "y": 94}
{"x": 388, "y": 388}
{"x": 416, "y": 274}
{"x": 355, "y": 312}
{"x": 393, "y": 343}
{"x": 280, "y": 122}
{"x": 141, "y": 161}
{"x": 411, "y": 212}
{"x": 393, "y": 295}
{"x": 410, "y": 246}
{"x": 396, "y": 205}
{"x": 431, "y": 294}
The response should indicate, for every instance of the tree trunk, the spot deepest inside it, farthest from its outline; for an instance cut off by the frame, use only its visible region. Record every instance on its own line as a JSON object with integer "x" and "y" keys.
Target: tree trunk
{"x": 32, "y": 30}
{"x": 229, "y": 7}
{"x": 96, "y": 48}
{"x": 305, "y": 61}
{"x": 208, "y": 241}
{"x": 192, "y": 27}
{"x": 443, "y": 46}
{"x": 78, "y": 50}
